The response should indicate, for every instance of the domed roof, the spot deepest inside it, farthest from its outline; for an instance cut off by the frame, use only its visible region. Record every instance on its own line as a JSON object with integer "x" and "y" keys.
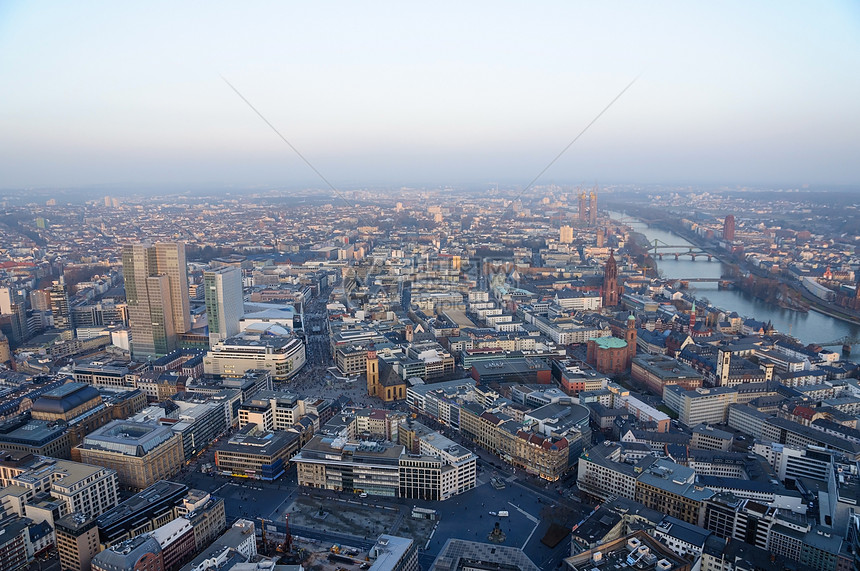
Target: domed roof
{"x": 65, "y": 398}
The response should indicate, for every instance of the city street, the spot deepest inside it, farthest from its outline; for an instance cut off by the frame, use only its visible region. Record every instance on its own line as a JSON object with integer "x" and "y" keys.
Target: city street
{"x": 532, "y": 504}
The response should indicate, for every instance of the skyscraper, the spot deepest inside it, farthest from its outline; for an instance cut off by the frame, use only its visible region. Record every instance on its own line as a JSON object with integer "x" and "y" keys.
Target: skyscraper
{"x": 729, "y": 228}
{"x": 156, "y": 291}
{"x": 582, "y": 207}
{"x": 170, "y": 260}
{"x": 60, "y": 305}
{"x": 592, "y": 207}
{"x": 222, "y": 290}
{"x": 13, "y": 310}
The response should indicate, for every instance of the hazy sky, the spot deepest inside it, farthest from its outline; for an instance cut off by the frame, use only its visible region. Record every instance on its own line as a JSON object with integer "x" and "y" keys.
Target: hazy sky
{"x": 436, "y": 92}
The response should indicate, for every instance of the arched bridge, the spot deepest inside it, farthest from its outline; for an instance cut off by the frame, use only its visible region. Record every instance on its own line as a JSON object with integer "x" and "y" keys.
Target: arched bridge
{"x": 846, "y": 343}
{"x": 658, "y": 249}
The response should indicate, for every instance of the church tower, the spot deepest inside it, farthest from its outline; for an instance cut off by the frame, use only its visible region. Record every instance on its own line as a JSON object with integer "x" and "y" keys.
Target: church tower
{"x": 610, "y": 282}
{"x": 372, "y": 374}
{"x": 630, "y": 337}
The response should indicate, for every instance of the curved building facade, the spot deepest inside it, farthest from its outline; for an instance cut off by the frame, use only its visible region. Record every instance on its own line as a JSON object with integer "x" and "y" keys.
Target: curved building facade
{"x": 262, "y": 346}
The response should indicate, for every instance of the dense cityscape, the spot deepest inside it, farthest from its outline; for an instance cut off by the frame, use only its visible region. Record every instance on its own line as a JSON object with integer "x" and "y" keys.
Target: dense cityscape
{"x": 564, "y": 378}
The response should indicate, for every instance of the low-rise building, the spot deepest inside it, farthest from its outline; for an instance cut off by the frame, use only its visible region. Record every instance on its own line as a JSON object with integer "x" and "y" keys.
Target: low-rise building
{"x": 176, "y": 539}
{"x": 86, "y": 489}
{"x": 658, "y": 371}
{"x": 39, "y": 437}
{"x": 140, "y": 453}
{"x": 236, "y": 545}
{"x": 636, "y": 550}
{"x": 141, "y": 553}
{"x": 261, "y": 346}
{"x": 460, "y": 554}
{"x": 670, "y": 488}
{"x": 706, "y": 437}
{"x": 206, "y": 514}
{"x": 700, "y": 405}
{"x": 684, "y": 539}
{"x": 141, "y": 513}
{"x": 391, "y": 553}
{"x": 440, "y": 470}
{"x": 258, "y": 454}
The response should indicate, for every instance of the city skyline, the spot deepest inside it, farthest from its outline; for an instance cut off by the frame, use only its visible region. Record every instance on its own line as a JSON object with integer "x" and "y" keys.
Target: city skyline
{"x": 391, "y": 95}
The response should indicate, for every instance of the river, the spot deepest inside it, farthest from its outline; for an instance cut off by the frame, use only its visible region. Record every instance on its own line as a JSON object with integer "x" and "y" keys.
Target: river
{"x": 809, "y": 327}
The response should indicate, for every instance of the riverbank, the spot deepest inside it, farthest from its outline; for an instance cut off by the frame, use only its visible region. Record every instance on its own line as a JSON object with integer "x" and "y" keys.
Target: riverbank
{"x": 786, "y": 294}
{"x": 808, "y": 327}
{"x": 847, "y": 319}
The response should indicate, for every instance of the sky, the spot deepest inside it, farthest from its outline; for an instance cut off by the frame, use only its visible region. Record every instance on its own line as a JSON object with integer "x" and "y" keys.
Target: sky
{"x": 123, "y": 94}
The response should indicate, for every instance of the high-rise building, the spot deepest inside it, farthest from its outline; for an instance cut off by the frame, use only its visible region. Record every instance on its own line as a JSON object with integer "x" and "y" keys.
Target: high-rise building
{"x": 223, "y": 295}
{"x": 592, "y": 207}
{"x": 40, "y": 300}
{"x": 610, "y": 282}
{"x": 729, "y": 228}
{"x": 60, "y": 305}
{"x": 156, "y": 287}
{"x": 14, "y": 312}
{"x": 170, "y": 260}
{"x": 583, "y": 198}
{"x": 565, "y": 234}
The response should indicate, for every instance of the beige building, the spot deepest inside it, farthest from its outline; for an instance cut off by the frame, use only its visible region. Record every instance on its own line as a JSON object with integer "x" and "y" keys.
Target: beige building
{"x": 86, "y": 489}
{"x": 440, "y": 471}
{"x": 141, "y": 453}
{"x": 77, "y": 541}
{"x": 261, "y": 346}
{"x": 206, "y": 514}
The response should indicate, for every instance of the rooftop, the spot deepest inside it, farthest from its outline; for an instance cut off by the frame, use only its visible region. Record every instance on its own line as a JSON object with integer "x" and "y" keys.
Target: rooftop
{"x": 459, "y": 554}
{"x": 609, "y": 342}
{"x": 128, "y": 438}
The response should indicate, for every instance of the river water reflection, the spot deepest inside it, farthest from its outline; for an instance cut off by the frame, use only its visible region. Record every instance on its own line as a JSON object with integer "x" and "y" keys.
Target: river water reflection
{"x": 809, "y": 327}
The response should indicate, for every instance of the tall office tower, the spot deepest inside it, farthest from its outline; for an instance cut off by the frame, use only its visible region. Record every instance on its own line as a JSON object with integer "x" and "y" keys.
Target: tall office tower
{"x": 156, "y": 291}
{"x": 222, "y": 290}
{"x": 610, "y": 282}
{"x": 40, "y": 299}
{"x": 729, "y": 228}
{"x": 60, "y": 305}
{"x": 170, "y": 260}
{"x": 592, "y": 207}
{"x": 14, "y": 315}
{"x": 565, "y": 235}
{"x": 582, "y": 205}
